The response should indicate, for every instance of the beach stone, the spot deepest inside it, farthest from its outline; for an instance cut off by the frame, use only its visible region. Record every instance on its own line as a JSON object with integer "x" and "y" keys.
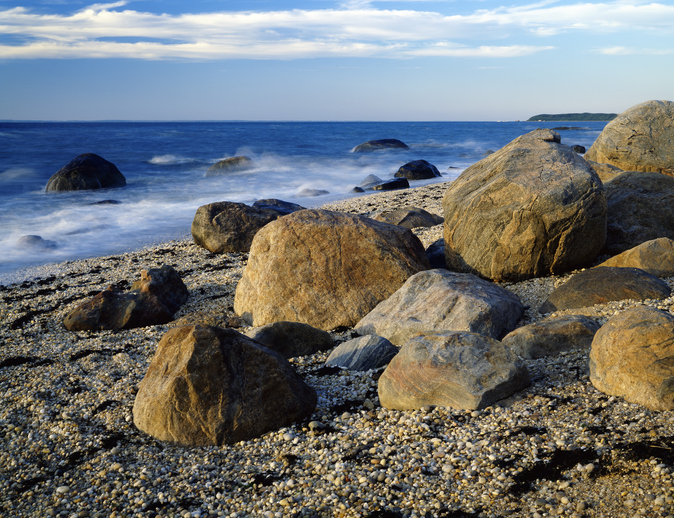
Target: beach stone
{"x": 409, "y": 217}
{"x": 291, "y": 339}
{"x": 35, "y": 243}
{"x": 606, "y": 172}
{"x": 227, "y": 226}
{"x": 639, "y": 139}
{"x": 440, "y": 300}
{"x": 655, "y": 257}
{"x": 326, "y": 269}
{"x": 640, "y": 208}
{"x": 370, "y": 181}
{"x": 454, "y": 369}
{"x": 362, "y": 354}
{"x": 552, "y": 336}
{"x": 531, "y": 209}
{"x": 207, "y": 386}
{"x": 577, "y": 148}
{"x": 600, "y": 285}
{"x": 86, "y": 171}
{"x": 631, "y": 357}
{"x": 230, "y": 165}
{"x": 392, "y": 185}
{"x": 282, "y": 207}
{"x": 381, "y": 144}
{"x": 153, "y": 300}
{"x": 418, "y": 170}
{"x": 436, "y": 254}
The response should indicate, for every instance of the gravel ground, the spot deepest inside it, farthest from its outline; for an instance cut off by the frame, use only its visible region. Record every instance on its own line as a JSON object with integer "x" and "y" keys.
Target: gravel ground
{"x": 69, "y": 446}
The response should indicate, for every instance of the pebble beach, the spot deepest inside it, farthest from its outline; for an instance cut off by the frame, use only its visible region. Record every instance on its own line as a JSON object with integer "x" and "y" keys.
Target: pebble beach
{"x": 69, "y": 446}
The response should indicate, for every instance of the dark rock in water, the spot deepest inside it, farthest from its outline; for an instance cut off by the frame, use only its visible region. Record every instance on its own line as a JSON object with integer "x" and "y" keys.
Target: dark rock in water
{"x": 311, "y": 193}
{"x": 105, "y": 202}
{"x": 280, "y": 206}
{"x": 87, "y": 171}
{"x": 35, "y": 243}
{"x": 418, "y": 170}
{"x": 392, "y": 185}
{"x": 152, "y": 301}
{"x": 579, "y": 149}
{"x": 227, "y": 226}
{"x": 436, "y": 254}
{"x": 375, "y": 145}
{"x": 603, "y": 284}
{"x": 370, "y": 181}
{"x": 363, "y": 353}
{"x": 230, "y": 165}
{"x": 291, "y": 339}
{"x": 208, "y": 386}
{"x": 358, "y": 189}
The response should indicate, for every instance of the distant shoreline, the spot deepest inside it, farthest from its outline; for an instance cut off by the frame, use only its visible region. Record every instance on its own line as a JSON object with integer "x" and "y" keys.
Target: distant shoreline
{"x": 572, "y": 117}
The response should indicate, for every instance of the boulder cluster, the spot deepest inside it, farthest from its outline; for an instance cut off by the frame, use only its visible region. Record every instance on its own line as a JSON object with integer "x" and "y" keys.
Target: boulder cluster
{"x": 448, "y": 336}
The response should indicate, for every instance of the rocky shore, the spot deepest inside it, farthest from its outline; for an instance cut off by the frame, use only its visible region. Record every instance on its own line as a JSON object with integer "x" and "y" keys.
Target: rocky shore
{"x": 70, "y": 448}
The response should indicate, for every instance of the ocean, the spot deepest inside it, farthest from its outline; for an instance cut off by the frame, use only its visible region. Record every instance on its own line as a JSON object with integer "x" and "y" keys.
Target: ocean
{"x": 165, "y": 167}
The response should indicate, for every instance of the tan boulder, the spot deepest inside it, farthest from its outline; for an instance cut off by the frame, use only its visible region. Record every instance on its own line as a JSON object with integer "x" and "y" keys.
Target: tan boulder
{"x": 531, "y": 209}
{"x": 451, "y": 369}
{"x": 639, "y": 139}
{"x": 655, "y": 257}
{"x": 631, "y": 357}
{"x": 326, "y": 269}
{"x": 208, "y": 386}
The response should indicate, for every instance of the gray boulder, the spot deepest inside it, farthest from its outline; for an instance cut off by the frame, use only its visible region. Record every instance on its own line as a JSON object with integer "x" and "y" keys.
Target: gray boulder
{"x": 640, "y": 208}
{"x": 655, "y": 257}
{"x": 440, "y": 300}
{"x": 601, "y": 285}
{"x": 378, "y": 145}
{"x": 418, "y": 170}
{"x": 531, "y": 209}
{"x": 291, "y": 339}
{"x": 226, "y": 226}
{"x": 639, "y": 139}
{"x": 326, "y": 269}
{"x": 207, "y": 386}
{"x": 409, "y": 217}
{"x": 282, "y": 207}
{"x": 451, "y": 369}
{"x": 631, "y": 357}
{"x": 230, "y": 165}
{"x": 362, "y": 354}
{"x": 86, "y": 171}
{"x": 552, "y": 336}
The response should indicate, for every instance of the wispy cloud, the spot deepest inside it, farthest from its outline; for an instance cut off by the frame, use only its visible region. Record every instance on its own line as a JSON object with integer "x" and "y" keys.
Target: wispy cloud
{"x": 355, "y": 30}
{"x": 634, "y": 51}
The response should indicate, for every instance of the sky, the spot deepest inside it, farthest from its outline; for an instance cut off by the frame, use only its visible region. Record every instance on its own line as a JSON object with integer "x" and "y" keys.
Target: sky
{"x": 381, "y": 60}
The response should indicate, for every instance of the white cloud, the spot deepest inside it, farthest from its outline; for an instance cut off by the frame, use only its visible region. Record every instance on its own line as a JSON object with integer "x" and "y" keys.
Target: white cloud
{"x": 110, "y": 30}
{"x": 632, "y": 51}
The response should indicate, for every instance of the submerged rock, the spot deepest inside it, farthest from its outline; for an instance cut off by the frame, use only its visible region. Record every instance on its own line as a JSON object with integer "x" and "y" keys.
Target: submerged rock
{"x": 377, "y": 145}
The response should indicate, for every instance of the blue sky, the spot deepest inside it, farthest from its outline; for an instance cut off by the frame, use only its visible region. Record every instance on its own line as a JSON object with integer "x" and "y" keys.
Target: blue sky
{"x": 331, "y": 60}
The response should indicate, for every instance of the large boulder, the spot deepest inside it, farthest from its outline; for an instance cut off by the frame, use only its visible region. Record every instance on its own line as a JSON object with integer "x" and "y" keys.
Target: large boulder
{"x": 362, "y": 354}
{"x": 326, "y": 269}
{"x": 409, "y": 217}
{"x": 552, "y": 336}
{"x": 440, "y": 300}
{"x": 226, "y": 226}
{"x": 631, "y": 357}
{"x": 152, "y": 301}
{"x": 207, "y": 386}
{"x": 640, "y": 208}
{"x": 451, "y": 369}
{"x": 86, "y": 171}
{"x": 230, "y": 165}
{"x": 531, "y": 209}
{"x": 291, "y": 339}
{"x": 639, "y": 139}
{"x": 601, "y": 285}
{"x": 378, "y": 145}
{"x": 418, "y": 170}
{"x": 655, "y": 257}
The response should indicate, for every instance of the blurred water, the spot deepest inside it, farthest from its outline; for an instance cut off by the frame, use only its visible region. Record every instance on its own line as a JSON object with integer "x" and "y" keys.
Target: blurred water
{"x": 165, "y": 166}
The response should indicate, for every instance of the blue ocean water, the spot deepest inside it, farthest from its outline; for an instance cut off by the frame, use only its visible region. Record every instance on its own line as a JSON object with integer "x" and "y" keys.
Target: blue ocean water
{"x": 165, "y": 167}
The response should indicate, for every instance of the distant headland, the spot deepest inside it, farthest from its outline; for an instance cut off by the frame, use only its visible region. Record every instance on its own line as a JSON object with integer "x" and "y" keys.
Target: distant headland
{"x": 573, "y": 117}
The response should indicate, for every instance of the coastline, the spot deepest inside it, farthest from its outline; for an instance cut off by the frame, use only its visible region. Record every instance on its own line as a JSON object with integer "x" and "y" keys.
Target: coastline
{"x": 559, "y": 447}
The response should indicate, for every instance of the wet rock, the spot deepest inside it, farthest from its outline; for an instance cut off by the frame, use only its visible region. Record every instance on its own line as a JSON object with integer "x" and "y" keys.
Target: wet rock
{"x": 418, "y": 170}
{"x": 230, "y": 165}
{"x": 35, "y": 243}
{"x": 378, "y": 145}
{"x": 86, "y": 171}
